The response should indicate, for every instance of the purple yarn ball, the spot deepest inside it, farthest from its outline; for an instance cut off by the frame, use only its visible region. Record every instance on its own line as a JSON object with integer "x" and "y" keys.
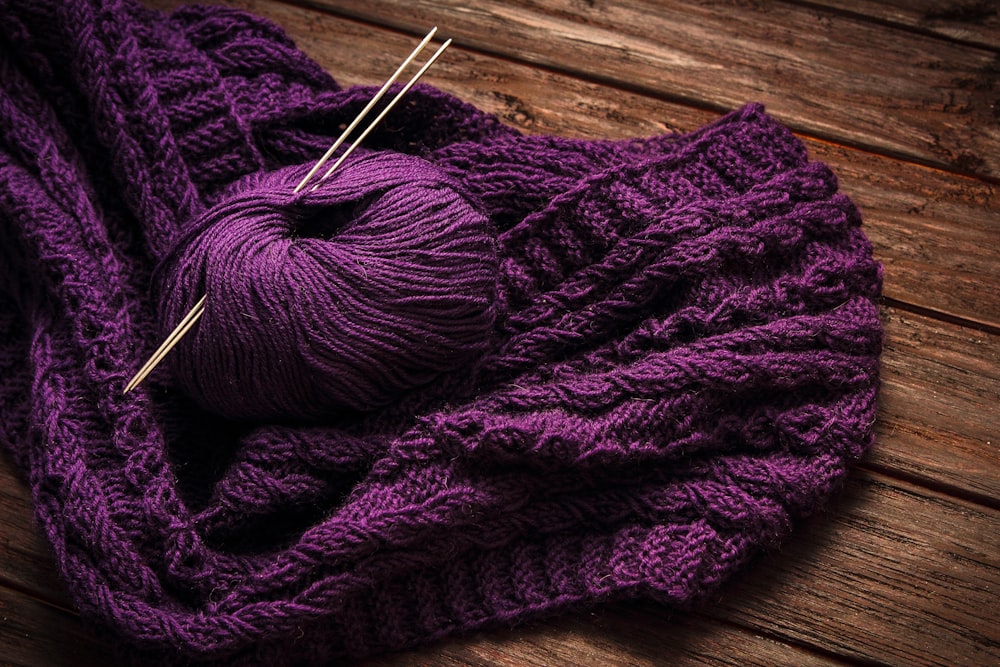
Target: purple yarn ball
{"x": 339, "y": 298}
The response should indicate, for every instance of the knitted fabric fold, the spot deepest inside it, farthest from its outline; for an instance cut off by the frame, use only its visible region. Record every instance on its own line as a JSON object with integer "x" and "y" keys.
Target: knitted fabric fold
{"x": 683, "y": 362}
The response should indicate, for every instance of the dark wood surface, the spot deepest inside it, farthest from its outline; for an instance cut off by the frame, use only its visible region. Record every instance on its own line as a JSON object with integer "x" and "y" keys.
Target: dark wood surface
{"x": 902, "y": 99}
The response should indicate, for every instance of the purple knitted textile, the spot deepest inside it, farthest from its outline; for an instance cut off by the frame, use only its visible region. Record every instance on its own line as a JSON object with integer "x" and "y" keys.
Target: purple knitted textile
{"x": 660, "y": 353}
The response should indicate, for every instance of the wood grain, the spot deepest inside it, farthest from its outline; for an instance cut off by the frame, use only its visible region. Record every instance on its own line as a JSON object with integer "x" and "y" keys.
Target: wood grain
{"x": 622, "y": 635}
{"x": 25, "y": 556}
{"x": 34, "y": 634}
{"x": 868, "y": 579}
{"x": 971, "y": 21}
{"x": 904, "y": 567}
{"x": 936, "y": 232}
{"x": 934, "y": 101}
{"x": 894, "y": 574}
{"x": 937, "y": 421}
{"x": 939, "y": 406}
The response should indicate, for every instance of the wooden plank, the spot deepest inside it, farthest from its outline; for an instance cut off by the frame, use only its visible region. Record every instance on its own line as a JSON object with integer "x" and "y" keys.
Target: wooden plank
{"x": 934, "y": 422}
{"x": 939, "y": 406}
{"x": 33, "y": 634}
{"x": 622, "y": 635}
{"x": 935, "y": 231}
{"x": 824, "y": 73}
{"x": 25, "y": 556}
{"x": 970, "y": 21}
{"x": 892, "y": 574}
{"x": 938, "y": 377}
{"x": 953, "y": 235}
{"x": 923, "y": 409}
{"x": 895, "y": 573}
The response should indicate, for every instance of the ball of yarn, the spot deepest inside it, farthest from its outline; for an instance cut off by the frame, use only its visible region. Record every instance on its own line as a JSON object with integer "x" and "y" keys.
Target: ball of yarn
{"x": 339, "y": 298}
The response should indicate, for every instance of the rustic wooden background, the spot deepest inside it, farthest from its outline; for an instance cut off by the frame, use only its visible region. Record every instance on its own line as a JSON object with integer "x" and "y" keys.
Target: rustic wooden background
{"x": 902, "y": 98}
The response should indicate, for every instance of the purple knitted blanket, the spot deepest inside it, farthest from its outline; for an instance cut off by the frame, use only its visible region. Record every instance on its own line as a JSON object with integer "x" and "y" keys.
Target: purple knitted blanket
{"x": 473, "y": 378}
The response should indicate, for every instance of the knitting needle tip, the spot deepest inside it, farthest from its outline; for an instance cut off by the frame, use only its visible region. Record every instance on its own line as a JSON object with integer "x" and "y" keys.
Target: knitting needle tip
{"x": 175, "y": 336}
{"x": 371, "y": 126}
{"x": 364, "y": 112}
{"x": 199, "y": 308}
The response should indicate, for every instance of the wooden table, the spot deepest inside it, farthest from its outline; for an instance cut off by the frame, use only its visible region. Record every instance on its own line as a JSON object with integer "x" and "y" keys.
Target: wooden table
{"x": 902, "y": 98}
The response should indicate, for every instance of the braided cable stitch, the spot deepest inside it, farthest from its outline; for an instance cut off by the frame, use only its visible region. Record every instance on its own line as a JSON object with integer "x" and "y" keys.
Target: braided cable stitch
{"x": 655, "y": 355}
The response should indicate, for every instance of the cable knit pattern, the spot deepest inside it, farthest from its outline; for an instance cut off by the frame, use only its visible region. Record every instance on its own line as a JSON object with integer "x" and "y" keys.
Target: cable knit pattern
{"x": 681, "y": 358}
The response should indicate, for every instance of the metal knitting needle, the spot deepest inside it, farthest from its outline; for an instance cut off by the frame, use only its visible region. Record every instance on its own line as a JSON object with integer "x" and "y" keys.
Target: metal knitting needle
{"x": 387, "y": 109}
{"x": 168, "y": 344}
{"x": 199, "y": 308}
{"x": 364, "y": 112}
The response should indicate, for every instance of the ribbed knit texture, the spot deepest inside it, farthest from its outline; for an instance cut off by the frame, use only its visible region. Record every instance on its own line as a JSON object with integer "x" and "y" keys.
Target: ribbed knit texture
{"x": 680, "y": 358}
{"x": 335, "y": 299}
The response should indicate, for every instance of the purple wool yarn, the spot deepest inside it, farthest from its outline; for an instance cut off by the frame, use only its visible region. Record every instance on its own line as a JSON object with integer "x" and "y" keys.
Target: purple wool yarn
{"x": 627, "y": 368}
{"x": 338, "y": 298}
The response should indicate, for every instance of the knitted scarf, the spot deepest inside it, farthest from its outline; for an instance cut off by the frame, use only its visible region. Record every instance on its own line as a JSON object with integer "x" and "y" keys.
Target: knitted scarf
{"x": 671, "y": 353}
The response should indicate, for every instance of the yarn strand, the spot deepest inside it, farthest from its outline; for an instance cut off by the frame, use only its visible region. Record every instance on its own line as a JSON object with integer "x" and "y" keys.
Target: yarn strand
{"x": 192, "y": 316}
{"x": 475, "y": 378}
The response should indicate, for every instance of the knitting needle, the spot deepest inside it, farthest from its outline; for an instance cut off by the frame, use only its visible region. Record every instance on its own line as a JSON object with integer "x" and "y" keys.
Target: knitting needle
{"x": 199, "y": 308}
{"x": 364, "y": 112}
{"x": 167, "y": 345}
{"x": 387, "y": 109}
